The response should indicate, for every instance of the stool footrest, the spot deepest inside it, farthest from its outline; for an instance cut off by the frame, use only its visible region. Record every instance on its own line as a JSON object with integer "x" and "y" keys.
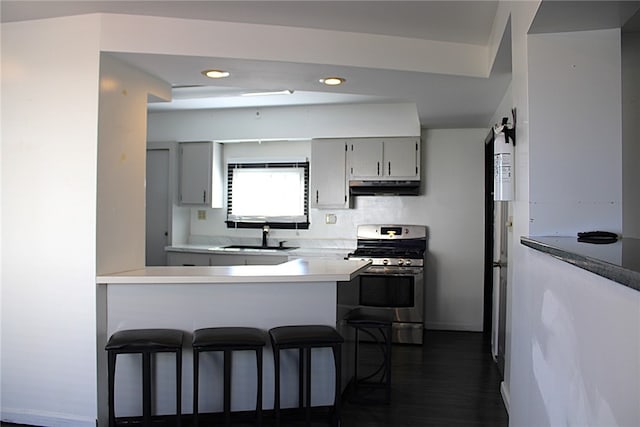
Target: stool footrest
{"x": 369, "y": 321}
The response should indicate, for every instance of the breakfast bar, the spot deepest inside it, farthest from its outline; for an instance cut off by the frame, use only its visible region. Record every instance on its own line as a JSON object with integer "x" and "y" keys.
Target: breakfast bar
{"x": 189, "y": 298}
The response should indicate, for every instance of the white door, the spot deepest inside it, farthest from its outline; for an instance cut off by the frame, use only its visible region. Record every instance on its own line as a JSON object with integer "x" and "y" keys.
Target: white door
{"x": 158, "y": 205}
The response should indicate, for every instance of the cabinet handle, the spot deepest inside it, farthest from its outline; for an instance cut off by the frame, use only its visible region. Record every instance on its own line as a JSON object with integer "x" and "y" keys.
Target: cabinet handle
{"x": 317, "y": 191}
{"x": 378, "y": 168}
{"x": 389, "y": 169}
{"x": 204, "y": 196}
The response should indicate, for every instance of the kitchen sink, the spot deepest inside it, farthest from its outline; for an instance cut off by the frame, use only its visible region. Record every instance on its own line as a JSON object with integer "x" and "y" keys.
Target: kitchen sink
{"x": 262, "y": 248}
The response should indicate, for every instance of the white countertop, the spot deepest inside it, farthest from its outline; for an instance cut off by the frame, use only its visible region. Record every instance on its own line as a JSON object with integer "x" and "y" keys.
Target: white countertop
{"x": 298, "y": 270}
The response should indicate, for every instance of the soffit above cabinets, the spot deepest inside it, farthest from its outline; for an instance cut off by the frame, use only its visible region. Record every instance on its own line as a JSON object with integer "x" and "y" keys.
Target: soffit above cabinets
{"x": 564, "y": 16}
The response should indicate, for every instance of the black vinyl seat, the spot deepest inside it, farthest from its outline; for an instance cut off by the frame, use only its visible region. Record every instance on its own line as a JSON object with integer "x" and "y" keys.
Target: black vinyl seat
{"x": 305, "y": 338}
{"x": 227, "y": 340}
{"x": 377, "y": 324}
{"x": 146, "y": 342}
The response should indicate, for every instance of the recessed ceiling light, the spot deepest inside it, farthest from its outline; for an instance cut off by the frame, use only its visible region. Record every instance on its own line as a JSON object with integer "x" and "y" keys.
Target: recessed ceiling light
{"x": 216, "y": 74}
{"x": 332, "y": 81}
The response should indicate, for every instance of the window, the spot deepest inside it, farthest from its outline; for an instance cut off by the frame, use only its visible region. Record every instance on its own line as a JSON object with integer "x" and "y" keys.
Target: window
{"x": 273, "y": 194}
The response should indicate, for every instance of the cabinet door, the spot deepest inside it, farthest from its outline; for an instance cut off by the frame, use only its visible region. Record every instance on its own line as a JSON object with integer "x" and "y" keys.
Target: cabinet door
{"x": 365, "y": 158}
{"x": 227, "y": 259}
{"x": 265, "y": 259}
{"x": 233, "y": 259}
{"x": 200, "y": 174}
{"x": 187, "y": 259}
{"x": 195, "y": 172}
{"x": 328, "y": 174}
{"x": 401, "y": 158}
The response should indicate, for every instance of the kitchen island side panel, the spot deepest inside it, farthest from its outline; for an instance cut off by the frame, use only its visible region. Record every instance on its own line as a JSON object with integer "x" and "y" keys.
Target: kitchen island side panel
{"x": 191, "y": 306}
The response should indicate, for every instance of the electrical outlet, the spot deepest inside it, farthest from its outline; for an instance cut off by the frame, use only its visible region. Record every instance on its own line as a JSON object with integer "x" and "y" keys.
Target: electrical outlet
{"x": 330, "y": 219}
{"x": 202, "y": 214}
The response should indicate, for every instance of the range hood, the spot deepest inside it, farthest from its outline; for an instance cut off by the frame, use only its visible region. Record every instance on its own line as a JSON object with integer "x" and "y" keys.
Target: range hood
{"x": 384, "y": 188}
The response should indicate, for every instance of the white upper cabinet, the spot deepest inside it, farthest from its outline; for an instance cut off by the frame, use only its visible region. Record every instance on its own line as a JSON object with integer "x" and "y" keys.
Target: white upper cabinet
{"x": 366, "y": 157}
{"x": 384, "y": 158}
{"x": 200, "y": 181}
{"x": 328, "y": 174}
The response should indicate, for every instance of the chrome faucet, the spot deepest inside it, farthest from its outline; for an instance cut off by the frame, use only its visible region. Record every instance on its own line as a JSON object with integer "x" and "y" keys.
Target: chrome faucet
{"x": 265, "y": 232}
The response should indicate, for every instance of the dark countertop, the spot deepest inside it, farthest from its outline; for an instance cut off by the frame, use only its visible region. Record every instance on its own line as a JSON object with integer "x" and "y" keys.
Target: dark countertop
{"x": 619, "y": 261}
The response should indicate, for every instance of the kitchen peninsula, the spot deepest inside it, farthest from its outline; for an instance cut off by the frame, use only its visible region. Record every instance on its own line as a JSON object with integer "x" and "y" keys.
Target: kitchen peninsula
{"x": 301, "y": 291}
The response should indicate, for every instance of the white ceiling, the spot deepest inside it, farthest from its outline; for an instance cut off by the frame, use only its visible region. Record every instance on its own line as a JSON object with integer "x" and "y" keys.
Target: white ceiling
{"x": 442, "y": 100}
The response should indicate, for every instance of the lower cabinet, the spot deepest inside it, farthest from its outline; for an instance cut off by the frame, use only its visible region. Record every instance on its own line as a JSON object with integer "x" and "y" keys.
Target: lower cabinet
{"x": 187, "y": 259}
{"x": 265, "y": 259}
{"x": 199, "y": 259}
{"x": 238, "y": 259}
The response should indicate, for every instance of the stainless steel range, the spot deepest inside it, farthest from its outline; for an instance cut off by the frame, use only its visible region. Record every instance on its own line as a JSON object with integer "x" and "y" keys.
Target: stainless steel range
{"x": 395, "y": 280}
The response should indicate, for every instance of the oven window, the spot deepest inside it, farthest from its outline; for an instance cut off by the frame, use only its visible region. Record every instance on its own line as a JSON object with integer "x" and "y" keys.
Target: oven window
{"x": 387, "y": 291}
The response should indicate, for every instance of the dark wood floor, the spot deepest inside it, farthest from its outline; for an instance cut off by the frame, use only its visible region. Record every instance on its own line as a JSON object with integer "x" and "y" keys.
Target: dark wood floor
{"x": 449, "y": 381}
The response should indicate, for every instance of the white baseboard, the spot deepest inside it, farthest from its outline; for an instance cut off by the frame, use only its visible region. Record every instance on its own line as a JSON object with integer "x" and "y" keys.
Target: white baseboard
{"x": 45, "y": 419}
{"x": 504, "y": 391}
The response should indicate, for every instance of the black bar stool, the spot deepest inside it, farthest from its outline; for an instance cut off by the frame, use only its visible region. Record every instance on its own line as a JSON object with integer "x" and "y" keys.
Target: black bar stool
{"x": 227, "y": 340}
{"x": 146, "y": 342}
{"x": 377, "y": 325}
{"x": 304, "y": 338}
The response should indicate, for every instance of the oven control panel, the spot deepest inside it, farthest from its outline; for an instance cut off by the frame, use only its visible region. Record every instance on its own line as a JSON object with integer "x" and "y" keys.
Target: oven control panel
{"x": 391, "y": 232}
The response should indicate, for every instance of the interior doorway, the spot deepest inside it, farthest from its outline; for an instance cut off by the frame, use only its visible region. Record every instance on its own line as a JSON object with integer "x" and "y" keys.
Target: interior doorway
{"x": 157, "y": 207}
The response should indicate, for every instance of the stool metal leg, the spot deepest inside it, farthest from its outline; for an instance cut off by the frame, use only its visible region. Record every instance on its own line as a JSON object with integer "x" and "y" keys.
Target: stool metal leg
{"x": 276, "y": 397}
{"x": 259, "y": 386}
{"x": 178, "y": 387}
{"x": 388, "y": 363}
{"x": 227, "y": 387}
{"x": 307, "y": 352}
{"x": 146, "y": 388}
{"x": 357, "y": 352}
{"x": 112, "y": 374}
{"x": 337, "y": 358}
{"x": 300, "y": 378}
{"x": 196, "y": 373}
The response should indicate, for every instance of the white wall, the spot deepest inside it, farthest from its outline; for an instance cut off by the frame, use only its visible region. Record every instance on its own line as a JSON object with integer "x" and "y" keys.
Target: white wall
{"x": 575, "y": 109}
{"x": 121, "y": 164}
{"x": 630, "y": 132}
{"x": 451, "y": 206}
{"x": 49, "y": 134}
